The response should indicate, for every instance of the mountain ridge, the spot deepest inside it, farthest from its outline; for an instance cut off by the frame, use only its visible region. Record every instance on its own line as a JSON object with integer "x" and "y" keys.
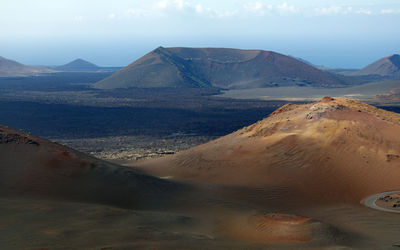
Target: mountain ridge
{"x": 217, "y": 67}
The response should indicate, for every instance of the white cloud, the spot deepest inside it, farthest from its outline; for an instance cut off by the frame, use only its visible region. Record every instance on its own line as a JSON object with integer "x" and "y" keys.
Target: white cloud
{"x": 334, "y": 10}
{"x": 285, "y": 8}
{"x": 364, "y": 11}
{"x": 162, "y": 4}
{"x": 111, "y": 16}
{"x": 138, "y": 13}
{"x": 255, "y": 7}
{"x": 174, "y": 4}
{"x": 261, "y": 8}
{"x": 180, "y": 4}
{"x": 390, "y": 11}
{"x": 199, "y": 8}
{"x": 165, "y": 7}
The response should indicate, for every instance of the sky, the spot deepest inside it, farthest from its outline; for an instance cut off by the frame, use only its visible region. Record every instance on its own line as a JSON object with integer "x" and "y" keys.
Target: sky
{"x": 333, "y": 33}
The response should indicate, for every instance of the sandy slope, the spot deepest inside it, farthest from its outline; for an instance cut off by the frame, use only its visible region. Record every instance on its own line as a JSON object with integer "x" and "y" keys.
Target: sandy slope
{"x": 333, "y": 151}
{"x": 53, "y": 197}
{"x": 317, "y": 160}
{"x": 291, "y": 181}
{"x": 31, "y": 166}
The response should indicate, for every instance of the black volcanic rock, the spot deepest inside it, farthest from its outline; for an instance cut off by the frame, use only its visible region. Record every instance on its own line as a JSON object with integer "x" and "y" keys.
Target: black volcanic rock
{"x": 217, "y": 67}
{"x": 78, "y": 65}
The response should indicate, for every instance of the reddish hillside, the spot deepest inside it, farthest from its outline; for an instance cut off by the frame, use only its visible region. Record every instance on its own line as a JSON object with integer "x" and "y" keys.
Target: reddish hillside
{"x": 278, "y": 184}
{"x": 44, "y": 183}
{"x": 34, "y": 167}
{"x": 332, "y": 151}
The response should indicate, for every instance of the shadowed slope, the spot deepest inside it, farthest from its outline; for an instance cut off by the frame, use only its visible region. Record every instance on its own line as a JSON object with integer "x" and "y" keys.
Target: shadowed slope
{"x": 333, "y": 151}
{"x": 217, "y": 67}
{"x": 33, "y": 167}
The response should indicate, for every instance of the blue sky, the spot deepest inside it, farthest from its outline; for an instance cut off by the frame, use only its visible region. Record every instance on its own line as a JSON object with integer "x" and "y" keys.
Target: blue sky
{"x": 333, "y": 33}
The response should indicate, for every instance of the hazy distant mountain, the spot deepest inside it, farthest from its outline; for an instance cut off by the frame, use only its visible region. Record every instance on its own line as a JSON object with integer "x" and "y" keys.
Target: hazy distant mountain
{"x": 388, "y": 67}
{"x": 10, "y": 68}
{"x": 217, "y": 67}
{"x": 78, "y": 65}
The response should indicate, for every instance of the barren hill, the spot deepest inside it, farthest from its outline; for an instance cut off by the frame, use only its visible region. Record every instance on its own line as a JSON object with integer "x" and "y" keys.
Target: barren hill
{"x": 328, "y": 152}
{"x": 34, "y": 167}
{"x": 291, "y": 181}
{"x": 57, "y": 197}
{"x": 217, "y": 67}
{"x": 10, "y": 68}
{"x": 78, "y": 65}
{"x": 388, "y": 66}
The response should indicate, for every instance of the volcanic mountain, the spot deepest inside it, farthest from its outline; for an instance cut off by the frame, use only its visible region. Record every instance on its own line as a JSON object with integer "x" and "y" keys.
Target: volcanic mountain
{"x": 330, "y": 152}
{"x": 388, "y": 67}
{"x": 217, "y": 67}
{"x": 10, "y": 68}
{"x": 78, "y": 65}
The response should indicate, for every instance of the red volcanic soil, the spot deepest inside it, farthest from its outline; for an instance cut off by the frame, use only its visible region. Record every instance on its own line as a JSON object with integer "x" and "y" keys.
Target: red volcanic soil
{"x": 291, "y": 181}
{"x": 330, "y": 152}
{"x": 43, "y": 183}
{"x": 267, "y": 228}
{"x": 31, "y": 166}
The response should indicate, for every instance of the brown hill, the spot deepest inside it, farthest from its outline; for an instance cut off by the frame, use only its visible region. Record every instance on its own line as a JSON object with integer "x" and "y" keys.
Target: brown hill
{"x": 52, "y": 196}
{"x": 330, "y": 152}
{"x": 388, "y": 66}
{"x": 262, "y": 176}
{"x": 10, "y": 68}
{"x": 217, "y": 67}
{"x": 34, "y": 167}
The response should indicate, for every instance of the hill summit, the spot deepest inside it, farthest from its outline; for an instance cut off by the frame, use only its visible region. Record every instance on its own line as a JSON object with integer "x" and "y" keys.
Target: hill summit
{"x": 217, "y": 67}
{"x": 387, "y": 66}
{"x": 332, "y": 151}
{"x": 78, "y": 65}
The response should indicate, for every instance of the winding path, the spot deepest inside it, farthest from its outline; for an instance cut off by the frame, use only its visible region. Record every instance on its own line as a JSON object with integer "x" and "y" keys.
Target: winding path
{"x": 370, "y": 201}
